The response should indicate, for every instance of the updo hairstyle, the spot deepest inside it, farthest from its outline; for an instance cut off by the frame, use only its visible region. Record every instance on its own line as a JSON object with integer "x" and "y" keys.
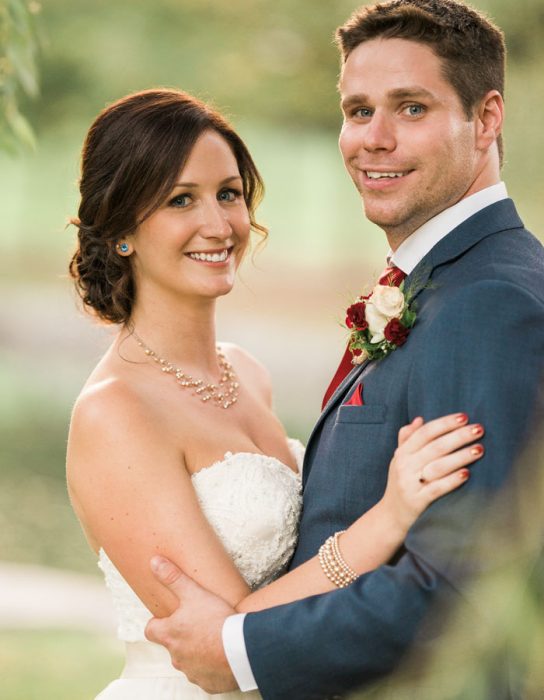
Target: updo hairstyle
{"x": 131, "y": 159}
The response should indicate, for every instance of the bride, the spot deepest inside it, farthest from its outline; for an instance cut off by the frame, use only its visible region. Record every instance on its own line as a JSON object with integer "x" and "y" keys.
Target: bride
{"x": 173, "y": 445}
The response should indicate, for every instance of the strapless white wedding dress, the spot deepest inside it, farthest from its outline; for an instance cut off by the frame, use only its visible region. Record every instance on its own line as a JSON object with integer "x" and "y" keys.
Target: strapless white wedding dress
{"x": 253, "y": 503}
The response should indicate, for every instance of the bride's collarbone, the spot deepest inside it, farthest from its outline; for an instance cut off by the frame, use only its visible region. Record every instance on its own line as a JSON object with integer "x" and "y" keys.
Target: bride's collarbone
{"x": 204, "y": 432}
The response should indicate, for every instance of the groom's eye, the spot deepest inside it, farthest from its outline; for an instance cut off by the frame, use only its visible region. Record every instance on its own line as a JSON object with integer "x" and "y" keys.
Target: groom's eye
{"x": 363, "y": 112}
{"x": 414, "y": 110}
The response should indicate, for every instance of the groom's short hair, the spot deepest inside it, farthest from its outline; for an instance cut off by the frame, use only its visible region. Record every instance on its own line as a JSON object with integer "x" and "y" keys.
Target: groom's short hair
{"x": 471, "y": 47}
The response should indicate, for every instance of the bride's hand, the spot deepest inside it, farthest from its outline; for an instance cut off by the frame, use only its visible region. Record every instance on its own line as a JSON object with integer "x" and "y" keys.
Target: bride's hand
{"x": 430, "y": 461}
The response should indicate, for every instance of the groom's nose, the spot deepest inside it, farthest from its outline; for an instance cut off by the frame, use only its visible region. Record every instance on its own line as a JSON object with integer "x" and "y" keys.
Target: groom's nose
{"x": 378, "y": 133}
{"x": 375, "y": 134}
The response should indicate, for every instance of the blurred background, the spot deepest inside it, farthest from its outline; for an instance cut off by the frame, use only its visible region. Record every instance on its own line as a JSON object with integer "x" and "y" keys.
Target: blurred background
{"x": 272, "y": 67}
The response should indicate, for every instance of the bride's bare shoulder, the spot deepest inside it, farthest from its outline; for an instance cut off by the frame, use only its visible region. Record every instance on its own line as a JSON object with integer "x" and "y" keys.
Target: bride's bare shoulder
{"x": 106, "y": 412}
{"x": 105, "y": 398}
{"x": 249, "y": 369}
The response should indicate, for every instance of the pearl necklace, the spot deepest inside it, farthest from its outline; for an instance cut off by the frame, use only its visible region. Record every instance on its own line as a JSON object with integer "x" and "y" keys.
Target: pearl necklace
{"x": 224, "y": 394}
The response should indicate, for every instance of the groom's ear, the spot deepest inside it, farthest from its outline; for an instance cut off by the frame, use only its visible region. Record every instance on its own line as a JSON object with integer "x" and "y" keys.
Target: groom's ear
{"x": 489, "y": 114}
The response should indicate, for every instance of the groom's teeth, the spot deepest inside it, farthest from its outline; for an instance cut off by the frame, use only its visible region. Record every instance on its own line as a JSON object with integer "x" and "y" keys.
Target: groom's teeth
{"x": 210, "y": 257}
{"x": 376, "y": 176}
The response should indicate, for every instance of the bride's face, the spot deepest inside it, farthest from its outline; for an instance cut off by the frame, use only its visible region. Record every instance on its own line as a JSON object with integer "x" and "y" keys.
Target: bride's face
{"x": 193, "y": 243}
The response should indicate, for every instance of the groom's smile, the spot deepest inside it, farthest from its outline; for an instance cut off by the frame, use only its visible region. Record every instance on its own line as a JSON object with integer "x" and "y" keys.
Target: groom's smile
{"x": 380, "y": 180}
{"x": 406, "y": 141}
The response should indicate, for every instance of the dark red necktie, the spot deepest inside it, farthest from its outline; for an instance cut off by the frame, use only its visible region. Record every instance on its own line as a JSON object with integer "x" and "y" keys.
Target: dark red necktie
{"x": 392, "y": 277}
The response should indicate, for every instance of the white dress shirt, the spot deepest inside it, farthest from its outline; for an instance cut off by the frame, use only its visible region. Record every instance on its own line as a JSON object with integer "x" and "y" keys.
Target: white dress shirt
{"x": 419, "y": 243}
{"x": 406, "y": 257}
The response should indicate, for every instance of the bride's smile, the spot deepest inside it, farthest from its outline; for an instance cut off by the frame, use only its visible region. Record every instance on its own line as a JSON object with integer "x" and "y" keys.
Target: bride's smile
{"x": 213, "y": 257}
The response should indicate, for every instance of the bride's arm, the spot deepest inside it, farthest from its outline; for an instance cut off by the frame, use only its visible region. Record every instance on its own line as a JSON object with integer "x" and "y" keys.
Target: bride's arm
{"x": 135, "y": 499}
{"x": 439, "y": 451}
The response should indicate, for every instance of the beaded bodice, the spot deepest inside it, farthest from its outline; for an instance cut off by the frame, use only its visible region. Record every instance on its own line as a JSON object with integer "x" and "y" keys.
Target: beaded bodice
{"x": 253, "y": 502}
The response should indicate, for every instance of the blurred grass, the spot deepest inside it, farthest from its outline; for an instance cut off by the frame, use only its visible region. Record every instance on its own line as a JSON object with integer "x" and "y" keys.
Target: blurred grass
{"x": 55, "y": 664}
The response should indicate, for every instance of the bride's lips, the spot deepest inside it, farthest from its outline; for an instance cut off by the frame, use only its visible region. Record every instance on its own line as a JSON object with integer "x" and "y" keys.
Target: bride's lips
{"x": 218, "y": 257}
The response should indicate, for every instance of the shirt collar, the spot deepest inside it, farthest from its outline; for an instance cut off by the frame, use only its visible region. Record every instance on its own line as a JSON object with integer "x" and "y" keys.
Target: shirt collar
{"x": 419, "y": 243}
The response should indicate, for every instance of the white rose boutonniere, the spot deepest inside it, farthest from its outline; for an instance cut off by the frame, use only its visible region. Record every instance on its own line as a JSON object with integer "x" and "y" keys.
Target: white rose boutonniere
{"x": 379, "y": 323}
{"x": 389, "y": 301}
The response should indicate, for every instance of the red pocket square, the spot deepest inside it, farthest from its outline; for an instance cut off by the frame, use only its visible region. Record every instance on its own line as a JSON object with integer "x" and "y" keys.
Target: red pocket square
{"x": 357, "y": 397}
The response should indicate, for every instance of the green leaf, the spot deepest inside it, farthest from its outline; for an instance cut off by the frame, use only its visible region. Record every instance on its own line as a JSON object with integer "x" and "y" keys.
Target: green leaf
{"x": 18, "y": 48}
{"x": 20, "y": 126}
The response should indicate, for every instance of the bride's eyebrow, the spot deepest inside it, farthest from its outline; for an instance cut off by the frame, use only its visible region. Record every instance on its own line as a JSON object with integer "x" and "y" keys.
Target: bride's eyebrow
{"x": 186, "y": 184}
{"x": 192, "y": 185}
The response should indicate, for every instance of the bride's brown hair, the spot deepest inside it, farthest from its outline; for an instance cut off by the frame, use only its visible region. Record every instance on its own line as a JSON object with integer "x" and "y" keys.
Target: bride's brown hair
{"x": 131, "y": 158}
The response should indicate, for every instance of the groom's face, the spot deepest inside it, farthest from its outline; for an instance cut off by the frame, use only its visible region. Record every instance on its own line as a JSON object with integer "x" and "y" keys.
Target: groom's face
{"x": 406, "y": 141}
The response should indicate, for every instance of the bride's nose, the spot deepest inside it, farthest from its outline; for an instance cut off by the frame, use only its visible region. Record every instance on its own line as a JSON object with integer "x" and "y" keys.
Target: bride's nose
{"x": 215, "y": 221}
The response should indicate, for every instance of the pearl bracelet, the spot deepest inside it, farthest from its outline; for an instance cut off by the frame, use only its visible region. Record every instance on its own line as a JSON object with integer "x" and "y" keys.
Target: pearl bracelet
{"x": 333, "y": 563}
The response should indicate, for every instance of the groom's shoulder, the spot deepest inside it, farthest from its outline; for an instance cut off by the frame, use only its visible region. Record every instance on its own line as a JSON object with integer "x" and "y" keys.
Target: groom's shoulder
{"x": 512, "y": 257}
{"x": 501, "y": 308}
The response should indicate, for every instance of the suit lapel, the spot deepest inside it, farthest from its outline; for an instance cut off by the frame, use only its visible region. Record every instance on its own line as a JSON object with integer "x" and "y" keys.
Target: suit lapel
{"x": 501, "y": 216}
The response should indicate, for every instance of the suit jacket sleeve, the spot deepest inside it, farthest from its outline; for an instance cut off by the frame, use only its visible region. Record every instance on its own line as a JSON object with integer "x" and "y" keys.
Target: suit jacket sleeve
{"x": 484, "y": 356}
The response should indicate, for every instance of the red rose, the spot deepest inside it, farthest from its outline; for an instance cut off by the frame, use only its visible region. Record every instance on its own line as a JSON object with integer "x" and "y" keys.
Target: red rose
{"x": 395, "y": 332}
{"x": 356, "y": 317}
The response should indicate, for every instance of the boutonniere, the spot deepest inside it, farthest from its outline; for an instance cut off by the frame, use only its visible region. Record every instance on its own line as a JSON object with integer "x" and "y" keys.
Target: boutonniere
{"x": 379, "y": 322}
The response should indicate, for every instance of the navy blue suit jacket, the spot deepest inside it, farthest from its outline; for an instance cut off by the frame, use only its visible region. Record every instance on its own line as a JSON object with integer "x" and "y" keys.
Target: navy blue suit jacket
{"x": 477, "y": 347}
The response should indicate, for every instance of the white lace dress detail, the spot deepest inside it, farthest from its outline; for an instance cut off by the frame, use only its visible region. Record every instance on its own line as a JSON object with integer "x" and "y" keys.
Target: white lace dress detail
{"x": 253, "y": 502}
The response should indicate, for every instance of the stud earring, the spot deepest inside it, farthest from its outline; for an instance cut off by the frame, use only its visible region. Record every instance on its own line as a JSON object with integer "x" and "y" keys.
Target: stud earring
{"x": 122, "y": 247}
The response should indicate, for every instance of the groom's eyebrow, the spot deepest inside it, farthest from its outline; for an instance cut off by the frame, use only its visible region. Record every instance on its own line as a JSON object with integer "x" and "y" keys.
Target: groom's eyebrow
{"x": 415, "y": 92}
{"x": 411, "y": 93}
{"x": 352, "y": 101}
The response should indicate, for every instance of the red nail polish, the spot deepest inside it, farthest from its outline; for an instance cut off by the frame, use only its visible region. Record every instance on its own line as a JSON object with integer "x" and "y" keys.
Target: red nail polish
{"x": 477, "y": 450}
{"x": 477, "y": 430}
{"x": 465, "y": 473}
{"x": 461, "y": 418}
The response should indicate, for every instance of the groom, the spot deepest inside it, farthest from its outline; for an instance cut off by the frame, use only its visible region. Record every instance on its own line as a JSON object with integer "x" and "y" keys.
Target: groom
{"x": 422, "y": 97}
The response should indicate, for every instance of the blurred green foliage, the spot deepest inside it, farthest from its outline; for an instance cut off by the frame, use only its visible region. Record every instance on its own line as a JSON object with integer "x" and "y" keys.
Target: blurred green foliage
{"x": 267, "y": 60}
{"x": 18, "y": 73}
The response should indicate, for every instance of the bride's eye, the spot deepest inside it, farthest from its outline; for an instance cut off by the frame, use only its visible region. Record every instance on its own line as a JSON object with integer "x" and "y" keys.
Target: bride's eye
{"x": 180, "y": 201}
{"x": 230, "y": 195}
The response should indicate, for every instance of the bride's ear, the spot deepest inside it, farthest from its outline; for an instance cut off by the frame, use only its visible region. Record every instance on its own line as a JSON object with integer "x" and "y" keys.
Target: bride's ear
{"x": 489, "y": 119}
